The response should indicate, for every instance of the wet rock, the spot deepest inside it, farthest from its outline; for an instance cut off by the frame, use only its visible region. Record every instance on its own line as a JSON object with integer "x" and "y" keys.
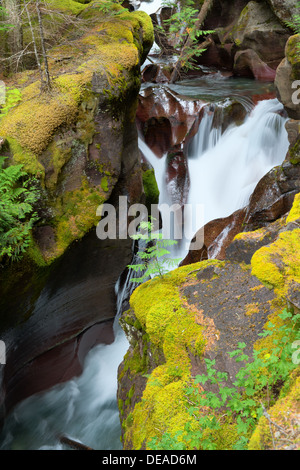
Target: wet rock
{"x": 273, "y": 196}
{"x": 164, "y": 118}
{"x": 284, "y": 9}
{"x": 287, "y": 74}
{"x": 240, "y": 307}
{"x": 158, "y": 135}
{"x": 272, "y": 199}
{"x": 248, "y": 64}
{"x": 155, "y": 73}
{"x": 177, "y": 176}
{"x": 219, "y": 55}
{"x": 259, "y": 29}
{"x": 218, "y": 234}
{"x": 293, "y": 130}
{"x": 224, "y": 13}
{"x": 163, "y": 39}
{"x": 229, "y": 112}
{"x": 45, "y": 239}
{"x": 245, "y": 244}
{"x": 60, "y": 312}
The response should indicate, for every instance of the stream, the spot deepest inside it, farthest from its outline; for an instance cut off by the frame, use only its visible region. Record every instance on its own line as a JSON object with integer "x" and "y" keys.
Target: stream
{"x": 224, "y": 168}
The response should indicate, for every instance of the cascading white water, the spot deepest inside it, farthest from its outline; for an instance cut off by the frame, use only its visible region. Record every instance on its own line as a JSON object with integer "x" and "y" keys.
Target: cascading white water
{"x": 83, "y": 409}
{"x": 225, "y": 168}
{"x": 225, "y": 175}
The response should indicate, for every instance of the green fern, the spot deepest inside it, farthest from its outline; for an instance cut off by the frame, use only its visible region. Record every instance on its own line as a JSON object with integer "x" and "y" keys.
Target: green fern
{"x": 294, "y": 24}
{"x": 17, "y": 216}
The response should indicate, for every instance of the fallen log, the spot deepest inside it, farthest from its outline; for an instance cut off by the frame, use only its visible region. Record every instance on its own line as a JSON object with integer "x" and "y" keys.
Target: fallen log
{"x": 74, "y": 444}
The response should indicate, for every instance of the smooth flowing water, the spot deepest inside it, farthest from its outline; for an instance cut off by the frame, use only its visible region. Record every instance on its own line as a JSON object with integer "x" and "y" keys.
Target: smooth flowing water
{"x": 224, "y": 169}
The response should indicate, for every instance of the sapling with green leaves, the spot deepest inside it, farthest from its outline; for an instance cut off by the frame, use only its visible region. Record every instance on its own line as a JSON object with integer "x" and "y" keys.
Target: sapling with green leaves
{"x": 154, "y": 259}
{"x": 185, "y": 25}
{"x": 254, "y": 390}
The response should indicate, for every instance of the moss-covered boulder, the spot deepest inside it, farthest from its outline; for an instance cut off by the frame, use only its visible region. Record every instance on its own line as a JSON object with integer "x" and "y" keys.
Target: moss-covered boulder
{"x": 258, "y": 29}
{"x": 202, "y": 312}
{"x": 284, "y": 9}
{"x": 279, "y": 427}
{"x": 80, "y": 138}
{"x": 287, "y": 77}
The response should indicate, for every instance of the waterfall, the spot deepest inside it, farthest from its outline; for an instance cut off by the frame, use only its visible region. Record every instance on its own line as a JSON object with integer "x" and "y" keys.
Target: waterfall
{"x": 224, "y": 176}
{"x": 224, "y": 168}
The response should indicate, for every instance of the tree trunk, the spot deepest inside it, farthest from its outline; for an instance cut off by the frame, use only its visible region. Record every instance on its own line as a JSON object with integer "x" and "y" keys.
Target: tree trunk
{"x": 15, "y": 33}
{"x": 188, "y": 43}
{"x": 44, "y": 52}
{"x": 34, "y": 44}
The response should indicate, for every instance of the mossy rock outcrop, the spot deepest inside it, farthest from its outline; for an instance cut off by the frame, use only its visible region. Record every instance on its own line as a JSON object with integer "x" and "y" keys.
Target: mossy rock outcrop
{"x": 198, "y": 312}
{"x": 259, "y": 30}
{"x": 287, "y": 77}
{"x": 80, "y": 137}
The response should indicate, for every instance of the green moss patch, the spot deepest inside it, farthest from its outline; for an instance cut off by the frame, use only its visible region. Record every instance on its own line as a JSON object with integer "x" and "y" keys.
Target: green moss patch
{"x": 160, "y": 310}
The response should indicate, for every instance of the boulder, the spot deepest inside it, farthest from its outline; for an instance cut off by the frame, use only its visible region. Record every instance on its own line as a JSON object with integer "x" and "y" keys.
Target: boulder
{"x": 273, "y": 196}
{"x": 177, "y": 176}
{"x": 293, "y": 130}
{"x": 287, "y": 80}
{"x": 164, "y": 118}
{"x": 248, "y": 64}
{"x": 218, "y": 55}
{"x": 258, "y": 29}
{"x": 155, "y": 73}
{"x": 284, "y": 9}
{"x": 218, "y": 234}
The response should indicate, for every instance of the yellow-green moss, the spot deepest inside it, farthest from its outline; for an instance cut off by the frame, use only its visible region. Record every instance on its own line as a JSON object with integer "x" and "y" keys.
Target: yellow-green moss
{"x": 34, "y": 121}
{"x": 277, "y": 264}
{"x": 150, "y": 188}
{"x": 254, "y": 235}
{"x": 75, "y": 216}
{"x": 170, "y": 326}
{"x": 285, "y": 414}
{"x": 295, "y": 210}
{"x": 109, "y": 49}
{"x": 292, "y": 52}
{"x": 67, "y": 6}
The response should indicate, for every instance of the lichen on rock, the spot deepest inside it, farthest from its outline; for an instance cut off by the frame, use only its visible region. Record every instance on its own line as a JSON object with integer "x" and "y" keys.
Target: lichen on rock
{"x": 200, "y": 311}
{"x": 59, "y": 136}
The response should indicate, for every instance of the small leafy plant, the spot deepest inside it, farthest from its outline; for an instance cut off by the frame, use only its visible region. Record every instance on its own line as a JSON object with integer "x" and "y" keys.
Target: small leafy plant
{"x": 3, "y": 25}
{"x": 12, "y": 98}
{"x": 180, "y": 25}
{"x": 111, "y": 8}
{"x": 153, "y": 259}
{"x": 294, "y": 24}
{"x": 254, "y": 390}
